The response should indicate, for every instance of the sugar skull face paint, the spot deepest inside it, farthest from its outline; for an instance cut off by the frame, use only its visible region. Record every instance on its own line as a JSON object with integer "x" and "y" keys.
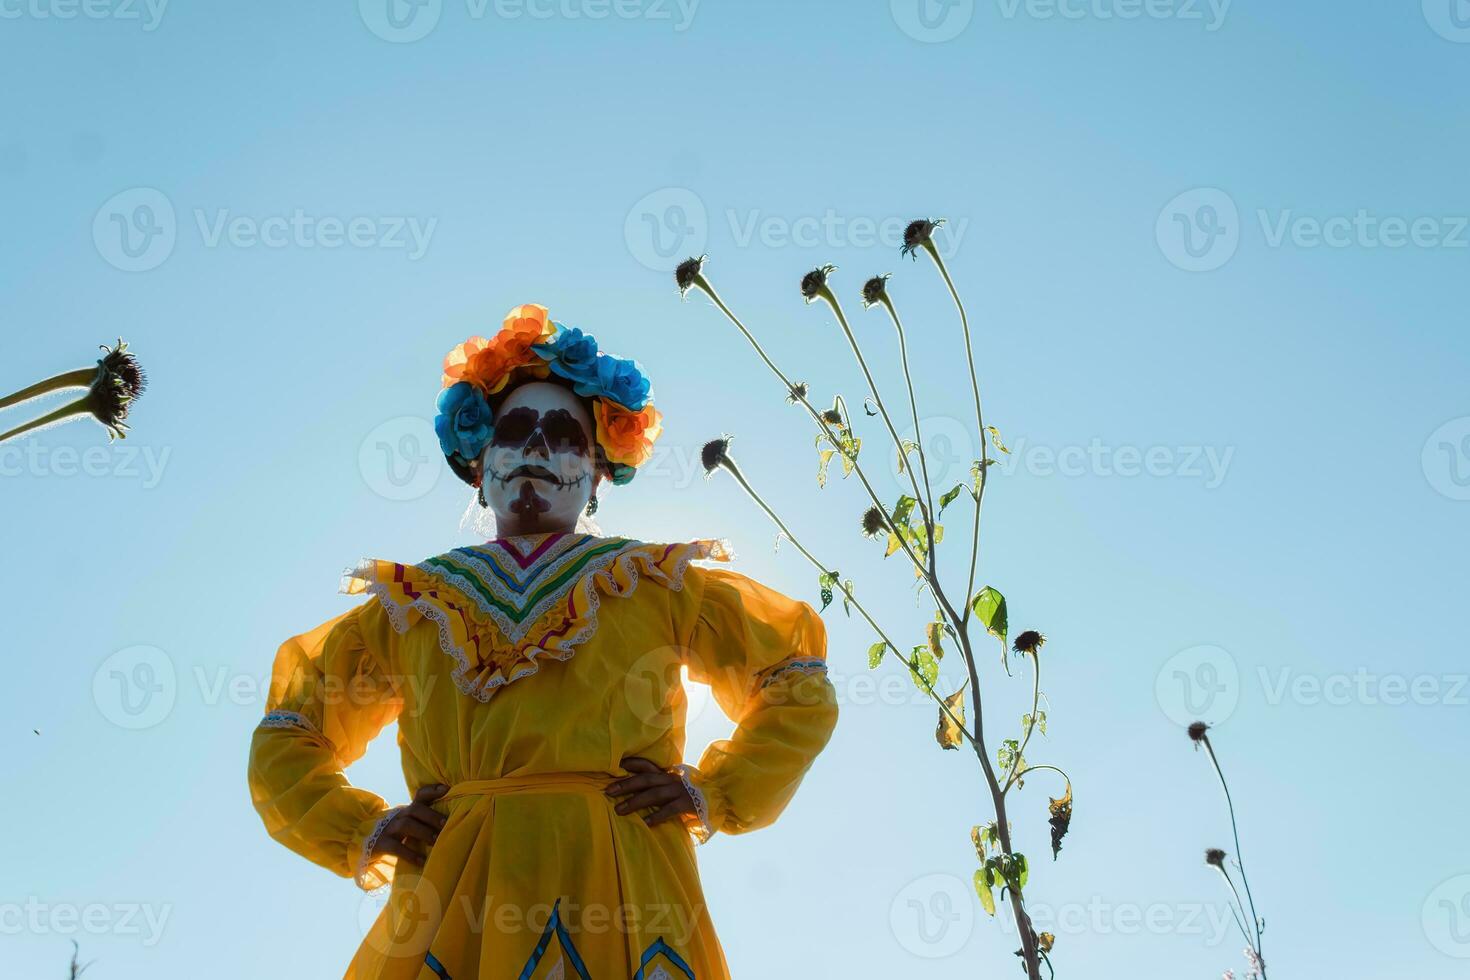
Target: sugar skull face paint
{"x": 540, "y": 468}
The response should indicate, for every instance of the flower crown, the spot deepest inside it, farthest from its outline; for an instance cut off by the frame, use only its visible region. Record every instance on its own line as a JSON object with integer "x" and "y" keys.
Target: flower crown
{"x": 531, "y": 346}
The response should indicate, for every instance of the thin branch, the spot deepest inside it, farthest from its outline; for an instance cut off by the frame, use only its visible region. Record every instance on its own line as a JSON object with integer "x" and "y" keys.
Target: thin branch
{"x": 734, "y": 471}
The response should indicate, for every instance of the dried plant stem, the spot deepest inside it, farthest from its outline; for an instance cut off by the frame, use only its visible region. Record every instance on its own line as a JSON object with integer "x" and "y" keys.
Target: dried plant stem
{"x": 919, "y": 496}
{"x": 1239, "y": 918}
{"x": 1239, "y": 861}
{"x": 734, "y": 471}
{"x": 1030, "y": 954}
{"x": 826, "y": 429}
{"x": 1030, "y": 725}
{"x": 50, "y": 418}
{"x": 979, "y": 415}
{"x": 80, "y": 378}
{"x": 903, "y": 354}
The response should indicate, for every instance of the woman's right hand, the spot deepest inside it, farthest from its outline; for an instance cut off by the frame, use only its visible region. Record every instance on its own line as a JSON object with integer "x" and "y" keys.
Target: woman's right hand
{"x": 411, "y": 831}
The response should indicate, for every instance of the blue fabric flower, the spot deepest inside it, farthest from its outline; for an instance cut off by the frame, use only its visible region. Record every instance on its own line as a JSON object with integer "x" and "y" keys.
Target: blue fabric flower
{"x": 619, "y": 380}
{"x": 464, "y": 424}
{"x": 571, "y": 354}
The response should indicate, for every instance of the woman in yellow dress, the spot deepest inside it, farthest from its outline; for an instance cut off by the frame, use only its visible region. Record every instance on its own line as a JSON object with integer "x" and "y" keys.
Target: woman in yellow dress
{"x": 537, "y": 685}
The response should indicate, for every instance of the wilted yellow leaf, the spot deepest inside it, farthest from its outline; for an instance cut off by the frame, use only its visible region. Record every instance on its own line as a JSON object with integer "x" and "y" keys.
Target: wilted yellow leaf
{"x": 948, "y": 733}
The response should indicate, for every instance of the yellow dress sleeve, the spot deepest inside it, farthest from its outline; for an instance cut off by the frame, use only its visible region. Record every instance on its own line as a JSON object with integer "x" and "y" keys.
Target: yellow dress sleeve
{"x": 764, "y": 656}
{"x": 331, "y": 694}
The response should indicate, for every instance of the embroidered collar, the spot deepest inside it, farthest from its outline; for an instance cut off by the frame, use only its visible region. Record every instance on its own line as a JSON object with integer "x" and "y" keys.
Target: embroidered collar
{"x": 505, "y": 606}
{"x": 515, "y": 581}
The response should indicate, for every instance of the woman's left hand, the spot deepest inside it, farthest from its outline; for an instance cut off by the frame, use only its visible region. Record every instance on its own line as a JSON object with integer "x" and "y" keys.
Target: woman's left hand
{"x": 651, "y": 785}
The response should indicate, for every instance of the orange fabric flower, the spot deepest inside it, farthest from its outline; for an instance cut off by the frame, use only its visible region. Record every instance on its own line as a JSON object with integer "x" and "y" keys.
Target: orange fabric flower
{"x": 627, "y": 437}
{"x": 490, "y": 364}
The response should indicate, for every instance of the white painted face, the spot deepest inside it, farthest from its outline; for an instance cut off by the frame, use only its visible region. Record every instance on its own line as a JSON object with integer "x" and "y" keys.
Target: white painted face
{"x": 540, "y": 467}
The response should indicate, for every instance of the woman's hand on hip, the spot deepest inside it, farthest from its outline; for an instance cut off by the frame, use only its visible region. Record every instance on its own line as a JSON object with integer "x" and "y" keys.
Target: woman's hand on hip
{"x": 651, "y": 786}
{"x": 413, "y": 830}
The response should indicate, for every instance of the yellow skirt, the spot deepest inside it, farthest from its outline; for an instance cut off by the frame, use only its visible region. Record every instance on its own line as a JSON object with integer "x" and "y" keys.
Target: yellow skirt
{"x": 538, "y": 878}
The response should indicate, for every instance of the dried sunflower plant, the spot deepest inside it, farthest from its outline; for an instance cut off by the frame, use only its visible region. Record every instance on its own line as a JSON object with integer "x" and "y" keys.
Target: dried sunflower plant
{"x": 1242, "y": 911}
{"x": 113, "y": 384}
{"x": 910, "y": 528}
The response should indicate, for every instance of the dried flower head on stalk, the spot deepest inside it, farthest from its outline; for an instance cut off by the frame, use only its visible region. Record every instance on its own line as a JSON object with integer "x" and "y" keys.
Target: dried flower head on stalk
{"x": 814, "y": 283}
{"x": 113, "y": 385}
{"x": 919, "y": 234}
{"x": 1243, "y": 911}
{"x": 875, "y": 291}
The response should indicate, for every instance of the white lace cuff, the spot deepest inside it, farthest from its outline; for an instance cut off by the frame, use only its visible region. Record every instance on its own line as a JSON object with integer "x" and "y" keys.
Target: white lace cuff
{"x": 796, "y": 665}
{"x": 367, "y": 875}
{"x": 701, "y": 830}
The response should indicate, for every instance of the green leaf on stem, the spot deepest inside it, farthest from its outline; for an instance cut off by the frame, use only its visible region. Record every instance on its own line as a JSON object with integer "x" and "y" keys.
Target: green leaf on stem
{"x": 924, "y": 669}
{"x": 1008, "y": 757}
{"x": 978, "y": 469}
{"x": 847, "y": 597}
{"x": 982, "y": 888}
{"x": 824, "y": 459}
{"x": 903, "y": 510}
{"x": 875, "y": 654}
{"x": 825, "y": 582}
{"x": 948, "y": 497}
{"x": 990, "y": 608}
{"x": 850, "y": 445}
{"x": 1039, "y": 721}
{"x": 995, "y": 439}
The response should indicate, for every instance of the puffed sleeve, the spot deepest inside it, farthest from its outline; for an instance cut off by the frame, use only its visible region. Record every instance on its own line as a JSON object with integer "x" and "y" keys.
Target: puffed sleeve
{"x": 331, "y": 694}
{"x": 764, "y": 656}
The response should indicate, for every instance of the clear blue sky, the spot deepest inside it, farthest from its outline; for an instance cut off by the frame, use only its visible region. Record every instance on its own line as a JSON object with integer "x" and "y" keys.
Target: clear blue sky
{"x": 1215, "y": 257}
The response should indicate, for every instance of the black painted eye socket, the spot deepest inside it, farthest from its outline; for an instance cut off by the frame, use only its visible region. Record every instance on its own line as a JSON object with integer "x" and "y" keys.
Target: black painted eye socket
{"x": 514, "y": 428}
{"x": 562, "y": 432}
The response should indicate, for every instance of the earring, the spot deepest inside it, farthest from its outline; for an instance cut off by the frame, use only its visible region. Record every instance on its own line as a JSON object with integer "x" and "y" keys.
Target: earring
{"x": 592, "y": 505}
{"x": 480, "y": 493}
